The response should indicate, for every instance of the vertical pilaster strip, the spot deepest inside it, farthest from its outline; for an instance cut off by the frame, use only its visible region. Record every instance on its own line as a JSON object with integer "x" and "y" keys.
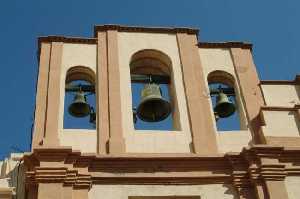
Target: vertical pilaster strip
{"x": 201, "y": 122}
{"x": 53, "y": 97}
{"x": 41, "y": 95}
{"x": 116, "y": 141}
{"x": 249, "y": 84}
{"x": 102, "y": 94}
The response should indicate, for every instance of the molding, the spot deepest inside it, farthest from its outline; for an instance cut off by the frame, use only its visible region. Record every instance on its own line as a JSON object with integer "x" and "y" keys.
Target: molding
{"x": 230, "y": 44}
{"x": 277, "y": 82}
{"x": 69, "y": 177}
{"x": 280, "y": 108}
{"x": 257, "y": 163}
{"x": 120, "y": 28}
{"x": 259, "y": 166}
{"x": 296, "y": 81}
{"x": 54, "y": 38}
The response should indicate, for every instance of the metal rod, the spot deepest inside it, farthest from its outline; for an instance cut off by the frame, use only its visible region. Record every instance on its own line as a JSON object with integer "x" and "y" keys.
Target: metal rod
{"x": 84, "y": 88}
{"x": 159, "y": 79}
{"x": 227, "y": 91}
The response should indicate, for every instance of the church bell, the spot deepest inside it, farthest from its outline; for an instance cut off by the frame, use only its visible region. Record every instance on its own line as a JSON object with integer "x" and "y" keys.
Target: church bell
{"x": 79, "y": 107}
{"x": 224, "y": 107}
{"x": 153, "y": 107}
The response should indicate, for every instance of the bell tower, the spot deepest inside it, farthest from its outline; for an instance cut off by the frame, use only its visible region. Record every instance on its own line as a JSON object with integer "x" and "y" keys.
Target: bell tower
{"x": 137, "y": 113}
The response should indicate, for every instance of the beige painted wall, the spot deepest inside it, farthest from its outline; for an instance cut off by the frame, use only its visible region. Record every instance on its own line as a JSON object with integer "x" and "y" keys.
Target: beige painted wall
{"x": 152, "y": 141}
{"x": 212, "y": 191}
{"x": 292, "y": 184}
{"x": 220, "y": 59}
{"x": 76, "y": 55}
{"x": 281, "y": 95}
{"x": 79, "y": 139}
{"x": 281, "y": 123}
{"x": 233, "y": 141}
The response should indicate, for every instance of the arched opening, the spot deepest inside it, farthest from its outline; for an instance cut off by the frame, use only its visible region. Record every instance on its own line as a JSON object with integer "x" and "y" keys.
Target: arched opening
{"x": 153, "y": 92}
{"x": 225, "y": 101}
{"x": 80, "y": 100}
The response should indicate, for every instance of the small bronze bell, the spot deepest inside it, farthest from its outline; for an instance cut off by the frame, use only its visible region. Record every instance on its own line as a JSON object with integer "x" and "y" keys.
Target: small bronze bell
{"x": 153, "y": 107}
{"x": 79, "y": 107}
{"x": 224, "y": 107}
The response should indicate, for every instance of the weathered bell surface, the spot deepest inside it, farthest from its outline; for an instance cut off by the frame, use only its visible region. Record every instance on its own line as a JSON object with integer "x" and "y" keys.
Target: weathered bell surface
{"x": 79, "y": 107}
{"x": 224, "y": 107}
{"x": 153, "y": 107}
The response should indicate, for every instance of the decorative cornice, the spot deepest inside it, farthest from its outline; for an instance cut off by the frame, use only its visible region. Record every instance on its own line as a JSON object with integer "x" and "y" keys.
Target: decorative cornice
{"x": 53, "y": 38}
{"x": 225, "y": 45}
{"x": 254, "y": 164}
{"x": 296, "y": 81}
{"x": 59, "y": 175}
{"x": 280, "y": 108}
{"x": 99, "y": 28}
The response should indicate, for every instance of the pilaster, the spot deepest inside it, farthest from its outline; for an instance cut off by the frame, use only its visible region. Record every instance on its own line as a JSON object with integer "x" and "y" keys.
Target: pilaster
{"x": 203, "y": 133}
{"x": 102, "y": 94}
{"x": 249, "y": 85}
{"x": 51, "y": 126}
{"x": 41, "y": 95}
{"x": 116, "y": 140}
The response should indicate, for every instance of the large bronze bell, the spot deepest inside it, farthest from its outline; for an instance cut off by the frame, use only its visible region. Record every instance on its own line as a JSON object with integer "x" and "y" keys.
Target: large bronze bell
{"x": 224, "y": 107}
{"x": 153, "y": 107}
{"x": 79, "y": 107}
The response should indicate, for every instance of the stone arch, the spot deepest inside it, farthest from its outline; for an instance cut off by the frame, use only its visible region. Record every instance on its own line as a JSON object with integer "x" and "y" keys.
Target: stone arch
{"x": 150, "y": 61}
{"x": 219, "y": 76}
{"x": 156, "y": 62}
{"x": 80, "y": 73}
{"x": 225, "y": 79}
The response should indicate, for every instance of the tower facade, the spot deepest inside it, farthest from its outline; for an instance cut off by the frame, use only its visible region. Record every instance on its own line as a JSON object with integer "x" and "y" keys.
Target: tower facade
{"x": 191, "y": 158}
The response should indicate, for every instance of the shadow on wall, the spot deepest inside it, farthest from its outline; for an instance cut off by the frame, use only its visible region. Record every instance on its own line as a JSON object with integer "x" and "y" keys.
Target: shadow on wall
{"x": 231, "y": 191}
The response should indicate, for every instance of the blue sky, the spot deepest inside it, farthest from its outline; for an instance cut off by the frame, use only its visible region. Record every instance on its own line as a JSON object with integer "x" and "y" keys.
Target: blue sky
{"x": 272, "y": 26}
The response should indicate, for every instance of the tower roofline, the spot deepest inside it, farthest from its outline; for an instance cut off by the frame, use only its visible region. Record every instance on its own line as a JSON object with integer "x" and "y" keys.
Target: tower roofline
{"x": 122, "y": 28}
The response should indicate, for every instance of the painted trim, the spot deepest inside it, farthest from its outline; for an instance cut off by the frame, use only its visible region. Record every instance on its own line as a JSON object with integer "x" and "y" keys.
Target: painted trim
{"x": 225, "y": 45}
{"x": 102, "y": 95}
{"x": 41, "y": 96}
{"x": 116, "y": 140}
{"x": 55, "y": 38}
{"x": 53, "y": 96}
{"x": 280, "y": 108}
{"x": 255, "y": 169}
{"x": 120, "y": 28}
{"x": 296, "y": 81}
